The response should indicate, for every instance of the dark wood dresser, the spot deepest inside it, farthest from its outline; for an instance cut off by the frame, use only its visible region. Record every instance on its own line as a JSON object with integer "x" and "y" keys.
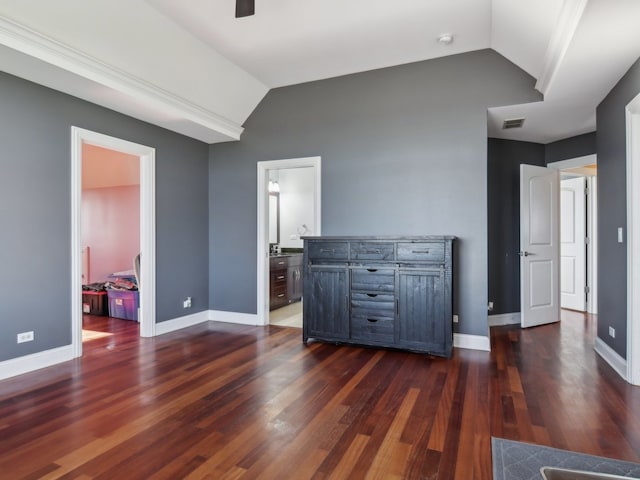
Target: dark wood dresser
{"x": 380, "y": 291}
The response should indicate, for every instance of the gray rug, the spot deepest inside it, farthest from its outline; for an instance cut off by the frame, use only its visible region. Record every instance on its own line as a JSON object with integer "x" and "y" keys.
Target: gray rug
{"x": 522, "y": 461}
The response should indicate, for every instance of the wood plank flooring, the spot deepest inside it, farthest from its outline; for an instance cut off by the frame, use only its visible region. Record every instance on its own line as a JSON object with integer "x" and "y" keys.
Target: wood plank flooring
{"x": 222, "y": 401}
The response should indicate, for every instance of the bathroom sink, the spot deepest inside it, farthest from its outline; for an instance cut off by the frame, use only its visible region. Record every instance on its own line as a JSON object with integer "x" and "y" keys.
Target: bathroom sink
{"x": 552, "y": 473}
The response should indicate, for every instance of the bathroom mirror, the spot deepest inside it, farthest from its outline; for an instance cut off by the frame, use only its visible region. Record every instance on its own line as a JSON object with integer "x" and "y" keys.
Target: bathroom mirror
{"x": 274, "y": 217}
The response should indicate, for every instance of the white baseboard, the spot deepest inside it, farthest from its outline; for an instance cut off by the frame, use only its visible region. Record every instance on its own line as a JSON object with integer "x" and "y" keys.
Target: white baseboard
{"x": 471, "y": 342}
{"x": 610, "y": 356}
{"x": 504, "y": 319}
{"x": 35, "y": 361}
{"x": 234, "y": 317}
{"x": 182, "y": 322}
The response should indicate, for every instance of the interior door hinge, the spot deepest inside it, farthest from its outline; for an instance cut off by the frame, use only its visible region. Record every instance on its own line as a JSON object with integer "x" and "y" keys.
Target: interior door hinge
{"x": 586, "y": 240}
{"x": 586, "y": 191}
{"x": 587, "y": 290}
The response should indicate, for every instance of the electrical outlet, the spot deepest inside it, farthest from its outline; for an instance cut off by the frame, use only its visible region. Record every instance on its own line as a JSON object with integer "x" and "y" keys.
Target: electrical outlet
{"x": 612, "y": 332}
{"x": 25, "y": 337}
{"x": 490, "y": 307}
{"x": 455, "y": 319}
{"x": 186, "y": 303}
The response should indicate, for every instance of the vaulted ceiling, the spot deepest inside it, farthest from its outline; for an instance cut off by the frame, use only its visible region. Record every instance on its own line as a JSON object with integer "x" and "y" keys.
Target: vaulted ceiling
{"x": 194, "y": 68}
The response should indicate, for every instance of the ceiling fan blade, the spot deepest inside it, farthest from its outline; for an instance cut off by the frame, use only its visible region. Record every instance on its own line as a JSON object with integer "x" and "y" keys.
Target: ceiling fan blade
{"x": 245, "y": 8}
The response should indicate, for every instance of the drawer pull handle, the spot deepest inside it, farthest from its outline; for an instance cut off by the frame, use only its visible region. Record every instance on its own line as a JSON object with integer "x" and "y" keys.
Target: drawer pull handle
{"x": 280, "y": 263}
{"x": 372, "y": 295}
{"x": 377, "y": 251}
{"x": 280, "y": 277}
{"x": 420, "y": 251}
{"x": 372, "y": 270}
{"x": 281, "y": 295}
{"x": 328, "y": 250}
{"x": 372, "y": 320}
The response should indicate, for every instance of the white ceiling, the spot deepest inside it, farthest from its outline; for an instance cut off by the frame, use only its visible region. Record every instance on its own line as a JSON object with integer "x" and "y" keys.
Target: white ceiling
{"x": 576, "y": 49}
{"x": 292, "y": 41}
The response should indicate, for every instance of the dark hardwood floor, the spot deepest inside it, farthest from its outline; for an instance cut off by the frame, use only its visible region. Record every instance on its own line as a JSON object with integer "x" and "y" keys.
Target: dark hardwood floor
{"x": 227, "y": 401}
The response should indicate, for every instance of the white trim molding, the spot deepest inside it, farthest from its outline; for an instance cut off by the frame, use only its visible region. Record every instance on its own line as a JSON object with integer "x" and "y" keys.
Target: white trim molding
{"x": 502, "y": 319}
{"x": 235, "y": 317}
{"x": 610, "y": 356}
{"x": 35, "y": 361}
{"x": 633, "y": 241}
{"x": 561, "y": 37}
{"x": 182, "y": 322}
{"x": 212, "y": 127}
{"x": 592, "y": 247}
{"x": 263, "y": 214}
{"x": 471, "y": 342}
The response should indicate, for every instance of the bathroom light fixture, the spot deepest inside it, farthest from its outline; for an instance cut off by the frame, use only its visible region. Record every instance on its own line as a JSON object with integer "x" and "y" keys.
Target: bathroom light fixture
{"x": 445, "y": 39}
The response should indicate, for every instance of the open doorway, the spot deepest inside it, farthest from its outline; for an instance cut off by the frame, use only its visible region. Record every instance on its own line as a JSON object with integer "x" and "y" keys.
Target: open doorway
{"x": 578, "y": 234}
{"x": 288, "y": 209}
{"x": 81, "y": 138}
{"x": 578, "y": 242}
{"x": 631, "y": 371}
{"x": 291, "y": 216}
{"x": 558, "y": 240}
{"x": 110, "y": 225}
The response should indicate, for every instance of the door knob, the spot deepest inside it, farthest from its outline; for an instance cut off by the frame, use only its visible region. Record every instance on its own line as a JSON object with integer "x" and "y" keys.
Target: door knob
{"x": 524, "y": 254}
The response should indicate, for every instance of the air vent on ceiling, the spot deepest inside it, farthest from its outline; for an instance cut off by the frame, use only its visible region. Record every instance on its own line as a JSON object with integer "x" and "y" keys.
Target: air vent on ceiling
{"x": 512, "y": 123}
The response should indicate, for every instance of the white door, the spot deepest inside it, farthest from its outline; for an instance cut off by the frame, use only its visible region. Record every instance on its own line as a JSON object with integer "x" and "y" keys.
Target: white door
{"x": 573, "y": 278}
{"x": 539, "y": 245}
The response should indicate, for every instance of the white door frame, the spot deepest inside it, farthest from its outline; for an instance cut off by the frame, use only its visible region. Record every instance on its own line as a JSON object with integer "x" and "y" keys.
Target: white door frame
{"x": 263, "y": 215}
{"x": 592, "y": 248}
{"x": 592, "y": 233}
{"x": 80, "y": 136}
{"x": 633, "y": 240}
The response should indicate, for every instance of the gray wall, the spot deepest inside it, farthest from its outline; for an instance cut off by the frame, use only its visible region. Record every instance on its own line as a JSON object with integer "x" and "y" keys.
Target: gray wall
{"x": 404, "y": 151}
{"x": 503, "y": 187}
{"x": 572, "y": 147}
{"x": 612, "y": 209}
{"x": 35, "y": 239}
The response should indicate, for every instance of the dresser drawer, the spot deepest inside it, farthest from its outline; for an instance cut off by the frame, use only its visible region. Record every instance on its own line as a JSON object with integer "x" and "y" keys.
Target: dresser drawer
{"x": 371, "y": 251}
{"x": 373, "y": 301}
{"x": 278, "y": 277}
{"x": 373, "y": 280}
{"x": 279, "y": 290}
{"x": 278, "y": 263}
{"x": 372, "y": 329}
{"x": 328, "y": 251}
{"x": 421, "y": 252}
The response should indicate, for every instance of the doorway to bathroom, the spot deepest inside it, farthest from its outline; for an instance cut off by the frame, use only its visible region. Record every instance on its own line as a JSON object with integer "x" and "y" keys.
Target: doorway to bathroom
{"x": 289, "y": 199}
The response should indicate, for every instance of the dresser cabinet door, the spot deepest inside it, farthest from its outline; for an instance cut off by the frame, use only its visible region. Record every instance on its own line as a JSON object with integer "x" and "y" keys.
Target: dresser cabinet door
{"x": 421, "y": 311}
{"x": 326, "y": 302}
